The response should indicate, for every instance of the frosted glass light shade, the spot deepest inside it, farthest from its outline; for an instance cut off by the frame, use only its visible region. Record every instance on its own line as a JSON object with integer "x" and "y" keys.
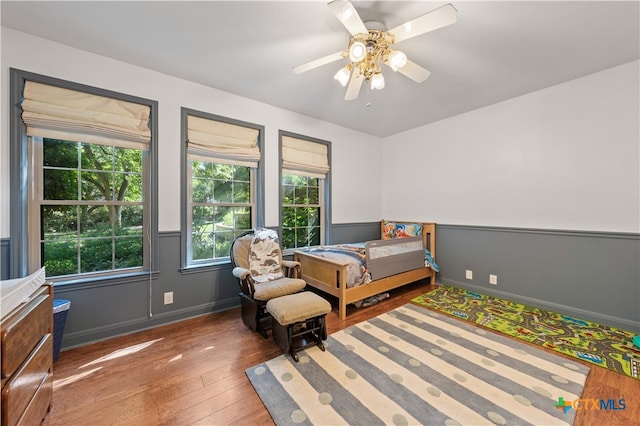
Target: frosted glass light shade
{"x": 357, "y": 51}
{"x": 377, "y": 81}
{"x": 343, "y": 76}
{"x": 397, "y": 60}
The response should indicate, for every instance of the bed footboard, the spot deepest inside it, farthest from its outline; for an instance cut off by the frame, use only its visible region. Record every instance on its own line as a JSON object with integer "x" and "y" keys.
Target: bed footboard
{"x": 326, "y": 275}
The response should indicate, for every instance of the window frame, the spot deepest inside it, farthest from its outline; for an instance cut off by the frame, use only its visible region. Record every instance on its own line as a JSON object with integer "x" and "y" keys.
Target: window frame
{"x": 324, "y": 188}
{"x": 37, "y": 201}
{"x": 20, "y": 161}
{"x": 256, "y": 184}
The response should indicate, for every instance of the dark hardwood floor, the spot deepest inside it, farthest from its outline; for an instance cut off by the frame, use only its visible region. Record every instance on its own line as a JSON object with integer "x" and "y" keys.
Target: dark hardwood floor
{"x": 192, "y": 372}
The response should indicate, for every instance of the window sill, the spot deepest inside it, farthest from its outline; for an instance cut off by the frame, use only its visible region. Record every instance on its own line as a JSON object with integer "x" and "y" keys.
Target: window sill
{"x": 103, "y": 280}
{"x": 213, "y": 266}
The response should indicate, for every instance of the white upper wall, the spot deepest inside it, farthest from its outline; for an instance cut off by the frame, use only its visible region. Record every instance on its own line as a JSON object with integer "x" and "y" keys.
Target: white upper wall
{"x": 352, "y": 201}
{"x": 565, "y": 157}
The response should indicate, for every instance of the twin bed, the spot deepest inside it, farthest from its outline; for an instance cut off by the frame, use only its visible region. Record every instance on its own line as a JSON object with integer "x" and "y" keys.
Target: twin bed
{"x": 354, "y": 272}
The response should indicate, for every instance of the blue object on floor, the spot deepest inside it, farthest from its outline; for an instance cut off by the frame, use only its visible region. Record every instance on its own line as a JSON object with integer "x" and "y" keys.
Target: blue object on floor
{"x": 636, "y": 340}
{"x": 60, "y": 311}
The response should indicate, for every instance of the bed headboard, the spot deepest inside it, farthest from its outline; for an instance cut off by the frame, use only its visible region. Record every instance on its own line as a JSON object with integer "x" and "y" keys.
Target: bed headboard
{"x": 391, "y": 228}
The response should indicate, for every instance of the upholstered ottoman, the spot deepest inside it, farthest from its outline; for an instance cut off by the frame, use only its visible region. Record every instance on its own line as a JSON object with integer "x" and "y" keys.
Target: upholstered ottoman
{"x": 299, "y": 321}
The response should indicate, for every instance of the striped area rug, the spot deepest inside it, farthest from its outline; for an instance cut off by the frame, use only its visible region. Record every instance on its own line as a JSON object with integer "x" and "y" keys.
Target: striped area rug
{"x": 415, "y": 366}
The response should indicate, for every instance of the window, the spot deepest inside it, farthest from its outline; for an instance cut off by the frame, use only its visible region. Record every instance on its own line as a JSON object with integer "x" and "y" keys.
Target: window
{"x": 221, "y": 205}
{"x": 90, "y": 207}
{"x": 301, "y": 211}
{"x": 221, "y": 174}
{"x": 88, "y": 202}
{"x": 304, "y": 191}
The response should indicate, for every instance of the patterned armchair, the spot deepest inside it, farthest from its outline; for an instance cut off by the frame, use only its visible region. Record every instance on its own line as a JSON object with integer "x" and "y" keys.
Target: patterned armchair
{"x": 262, "y": 274}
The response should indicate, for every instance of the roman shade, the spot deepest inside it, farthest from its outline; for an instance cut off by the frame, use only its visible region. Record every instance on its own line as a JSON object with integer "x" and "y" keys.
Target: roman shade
{"x": 226, "y": 143}
{"x": 303, "y": 157}
{"x": 58, "y": 113}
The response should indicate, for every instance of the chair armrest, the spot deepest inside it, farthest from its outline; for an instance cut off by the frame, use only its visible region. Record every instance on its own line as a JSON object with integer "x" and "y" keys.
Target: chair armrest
{"x": 291, "y": 268}
{"x": 245, "y": 281}
{"x": 290, "y": 263}
{"x": 241, "y": 273}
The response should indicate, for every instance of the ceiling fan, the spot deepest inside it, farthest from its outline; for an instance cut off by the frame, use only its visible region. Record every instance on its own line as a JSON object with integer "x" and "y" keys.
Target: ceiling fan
{"x": 371, "y": 44}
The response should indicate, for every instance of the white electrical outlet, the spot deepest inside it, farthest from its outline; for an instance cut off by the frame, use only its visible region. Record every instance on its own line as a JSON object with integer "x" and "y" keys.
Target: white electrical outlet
{"x": 468, "y": 274}
{"x": 168, "y": 298}
{"x": 493, "y": 279}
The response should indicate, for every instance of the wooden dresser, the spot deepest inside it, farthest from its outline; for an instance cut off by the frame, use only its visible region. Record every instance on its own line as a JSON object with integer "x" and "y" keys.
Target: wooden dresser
{"x": 27, "y": 360}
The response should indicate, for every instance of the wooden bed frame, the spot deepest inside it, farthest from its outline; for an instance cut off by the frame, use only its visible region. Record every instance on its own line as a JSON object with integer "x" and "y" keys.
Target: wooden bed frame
{"x": 328, "y": 275}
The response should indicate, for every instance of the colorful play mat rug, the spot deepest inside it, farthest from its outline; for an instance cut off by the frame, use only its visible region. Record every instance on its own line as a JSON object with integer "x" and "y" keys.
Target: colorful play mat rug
{"x": 604, "y": 346}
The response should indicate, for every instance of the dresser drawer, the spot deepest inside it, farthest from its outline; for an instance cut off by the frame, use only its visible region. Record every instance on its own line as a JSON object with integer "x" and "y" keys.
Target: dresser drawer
{"x": 40, "y": 405}
{"x": 22, "y": 331}
{"x": 19, "y": 391}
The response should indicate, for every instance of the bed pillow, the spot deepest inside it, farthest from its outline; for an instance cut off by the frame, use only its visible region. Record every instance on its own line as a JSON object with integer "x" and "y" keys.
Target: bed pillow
{"x": 401, "y": 230}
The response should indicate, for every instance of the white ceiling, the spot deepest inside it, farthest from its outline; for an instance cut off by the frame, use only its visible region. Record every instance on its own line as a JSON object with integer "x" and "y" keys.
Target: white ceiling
{"x": 496, "y": 50}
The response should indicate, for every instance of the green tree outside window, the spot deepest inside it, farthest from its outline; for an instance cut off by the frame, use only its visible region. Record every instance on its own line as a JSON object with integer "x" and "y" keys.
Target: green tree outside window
{"x": 221, "y": 208}
{"x": 92, "y": 208}
{"x": 300, "y": 211}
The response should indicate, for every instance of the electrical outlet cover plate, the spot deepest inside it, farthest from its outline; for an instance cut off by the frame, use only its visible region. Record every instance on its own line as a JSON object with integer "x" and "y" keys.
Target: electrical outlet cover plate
{"x": 469, "y": 274}
{"x": 493, "y": 279}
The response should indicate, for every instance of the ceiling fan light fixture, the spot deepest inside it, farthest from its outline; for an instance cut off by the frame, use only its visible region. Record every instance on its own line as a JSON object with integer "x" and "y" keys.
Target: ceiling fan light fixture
{"x": 357, "y": 51}
{"x": 343, "y": 75}
{"x": 397, "y": 60}
{"x": 371, "y": 43}
{"x": 377, "y": 81}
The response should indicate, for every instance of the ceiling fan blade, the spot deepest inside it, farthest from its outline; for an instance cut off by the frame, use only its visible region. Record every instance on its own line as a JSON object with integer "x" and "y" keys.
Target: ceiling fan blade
{"x": 437, "y": 18}
{"x": 347, "y": 14}
{"x": 318, "y": 62}
{"x": 415, "y": 72}
{"x": 354, "y": 86}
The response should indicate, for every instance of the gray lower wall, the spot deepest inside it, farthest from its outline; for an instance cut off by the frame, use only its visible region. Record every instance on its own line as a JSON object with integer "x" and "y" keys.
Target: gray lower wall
{"x": 593, "y": 276}
{"x": 354, "y": 232}
{"x": 100, "y": 310}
